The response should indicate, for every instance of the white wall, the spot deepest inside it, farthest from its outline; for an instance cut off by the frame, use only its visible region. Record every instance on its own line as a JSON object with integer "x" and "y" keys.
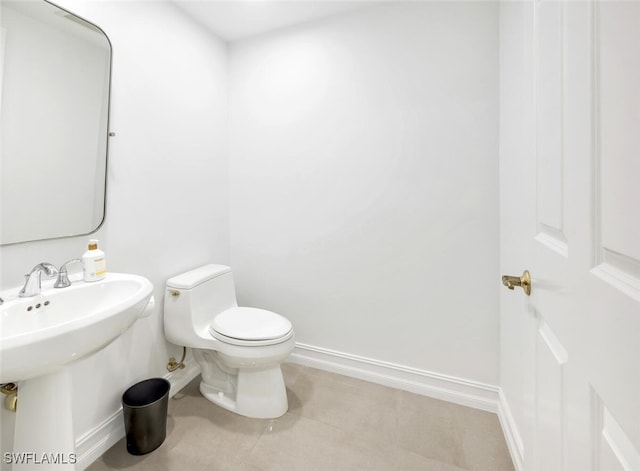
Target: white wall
{"x": 167, "y": 201}
{"x": 364, "y": 197}
{"x": 363, "y": 183}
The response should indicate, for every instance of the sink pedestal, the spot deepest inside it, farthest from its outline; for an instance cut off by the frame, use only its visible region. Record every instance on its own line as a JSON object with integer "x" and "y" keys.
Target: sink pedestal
{"x": 43, "y": 437}
{"x": 40, "y": 338}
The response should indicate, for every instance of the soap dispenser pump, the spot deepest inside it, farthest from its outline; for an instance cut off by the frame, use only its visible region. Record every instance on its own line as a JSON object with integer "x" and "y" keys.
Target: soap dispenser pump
{"x": 93, "y": 262}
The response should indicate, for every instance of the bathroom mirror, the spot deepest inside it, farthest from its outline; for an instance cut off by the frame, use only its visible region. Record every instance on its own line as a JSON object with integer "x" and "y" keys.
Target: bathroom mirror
{"x": 55, "y": 70}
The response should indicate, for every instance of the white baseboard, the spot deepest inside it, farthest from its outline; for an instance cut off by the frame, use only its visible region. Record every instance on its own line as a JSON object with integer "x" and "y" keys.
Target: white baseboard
{"x": 94, "y": 443}
{"x": 510, "y": 430}
{"x": 449, "y": 388}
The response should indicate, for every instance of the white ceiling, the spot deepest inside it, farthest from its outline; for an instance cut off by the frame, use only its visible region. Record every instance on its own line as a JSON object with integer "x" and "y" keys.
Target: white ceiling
{"x": 232, "y": 20}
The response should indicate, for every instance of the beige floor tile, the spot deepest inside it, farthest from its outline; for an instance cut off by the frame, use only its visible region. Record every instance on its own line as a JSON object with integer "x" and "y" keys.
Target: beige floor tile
{"x": 477, "y": 421}
{"x": 410, "y": 401}
{"x": 334, "y": 422}
{"x": 483, "y": 443}
{"x": 408, "y": 461}
{"x": 462, "y": 436}
{"x": 427, "y": 427}
{"x": 486, "y": 453}
{"x": 374, "y": 391}
{"x": 366, "y": 409}
{"x": 200, "y": 435}
{"x": 298, "y": 443}
{"x": 118, "y": 458}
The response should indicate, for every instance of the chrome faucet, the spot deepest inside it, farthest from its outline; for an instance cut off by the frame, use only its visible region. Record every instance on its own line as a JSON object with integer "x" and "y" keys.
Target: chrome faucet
{"x": 33, "y": 285}
{"x": 63, "y": 279}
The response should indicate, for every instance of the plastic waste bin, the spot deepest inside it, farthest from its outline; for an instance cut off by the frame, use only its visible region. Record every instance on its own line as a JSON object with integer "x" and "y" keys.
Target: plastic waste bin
{"x": 144, "y": 406}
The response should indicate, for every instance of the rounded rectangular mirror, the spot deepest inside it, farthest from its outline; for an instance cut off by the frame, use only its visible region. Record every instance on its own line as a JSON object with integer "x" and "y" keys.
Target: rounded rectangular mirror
{"x": 55, "y": 71}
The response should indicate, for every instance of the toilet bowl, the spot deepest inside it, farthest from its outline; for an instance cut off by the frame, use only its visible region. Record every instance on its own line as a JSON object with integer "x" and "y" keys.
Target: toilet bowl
{"x": 239, "y": 349}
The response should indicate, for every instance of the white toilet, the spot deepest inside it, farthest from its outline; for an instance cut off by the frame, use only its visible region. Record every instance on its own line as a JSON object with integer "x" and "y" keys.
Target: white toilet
{"x": 239, "y": 349}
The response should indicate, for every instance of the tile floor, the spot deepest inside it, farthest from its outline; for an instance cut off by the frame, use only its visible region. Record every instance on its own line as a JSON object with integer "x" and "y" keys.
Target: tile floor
{"x": 334, "y": 423}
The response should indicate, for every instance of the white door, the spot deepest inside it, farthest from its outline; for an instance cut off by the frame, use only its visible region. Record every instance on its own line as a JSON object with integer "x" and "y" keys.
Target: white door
{"x": 570, "y": 214}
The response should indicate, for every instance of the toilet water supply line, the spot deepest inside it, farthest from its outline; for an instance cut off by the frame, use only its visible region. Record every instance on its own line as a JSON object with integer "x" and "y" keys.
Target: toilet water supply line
{"x": 11, "y": 391}
{"x": 173, "y": 364}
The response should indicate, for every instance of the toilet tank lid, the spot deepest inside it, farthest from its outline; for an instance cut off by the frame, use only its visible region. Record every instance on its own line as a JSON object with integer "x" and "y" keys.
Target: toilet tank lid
{"x": 197, "y": 276}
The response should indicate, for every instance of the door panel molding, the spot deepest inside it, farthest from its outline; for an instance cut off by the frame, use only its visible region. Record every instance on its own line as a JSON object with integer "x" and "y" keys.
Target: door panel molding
{"x": 551, "y": 358}
{"x": 613, "y": 449}
{"x": 615, "y": 160}
{"x": 549, "y": 112}
{"x": 620, "y": 271}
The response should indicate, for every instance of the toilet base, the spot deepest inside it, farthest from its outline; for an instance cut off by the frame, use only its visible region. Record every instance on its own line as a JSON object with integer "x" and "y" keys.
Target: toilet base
{"x": 260, "y": 393}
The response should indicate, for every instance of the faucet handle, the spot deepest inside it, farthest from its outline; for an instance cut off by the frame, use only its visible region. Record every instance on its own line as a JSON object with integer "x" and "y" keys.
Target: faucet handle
{"x": 63, "y": 279}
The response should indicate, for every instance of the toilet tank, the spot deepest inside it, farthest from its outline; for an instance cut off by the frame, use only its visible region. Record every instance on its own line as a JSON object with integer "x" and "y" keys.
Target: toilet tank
{"x": 193, "y": 299}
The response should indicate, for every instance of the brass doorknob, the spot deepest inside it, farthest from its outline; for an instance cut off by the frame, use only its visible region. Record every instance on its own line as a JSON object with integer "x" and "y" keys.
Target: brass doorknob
{"x": 523, "y": 282}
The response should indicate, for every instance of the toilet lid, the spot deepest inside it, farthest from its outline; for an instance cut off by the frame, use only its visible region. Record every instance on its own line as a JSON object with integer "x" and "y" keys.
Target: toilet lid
{"x": 247, "y": 323}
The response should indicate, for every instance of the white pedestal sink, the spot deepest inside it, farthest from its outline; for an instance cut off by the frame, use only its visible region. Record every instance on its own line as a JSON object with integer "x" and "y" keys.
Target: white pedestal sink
{"x": 39, "y": 337}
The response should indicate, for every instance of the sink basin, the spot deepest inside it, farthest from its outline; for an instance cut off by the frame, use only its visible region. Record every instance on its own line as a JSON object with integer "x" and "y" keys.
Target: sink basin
{"x": 41, "y": 334}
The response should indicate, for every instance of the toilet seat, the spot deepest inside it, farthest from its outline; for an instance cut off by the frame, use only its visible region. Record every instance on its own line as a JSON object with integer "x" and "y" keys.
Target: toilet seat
{"x": 251, "y": 327}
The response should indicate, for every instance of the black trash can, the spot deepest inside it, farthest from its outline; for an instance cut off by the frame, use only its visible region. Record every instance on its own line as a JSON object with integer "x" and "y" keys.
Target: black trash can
{"x": 144, "y": 406}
